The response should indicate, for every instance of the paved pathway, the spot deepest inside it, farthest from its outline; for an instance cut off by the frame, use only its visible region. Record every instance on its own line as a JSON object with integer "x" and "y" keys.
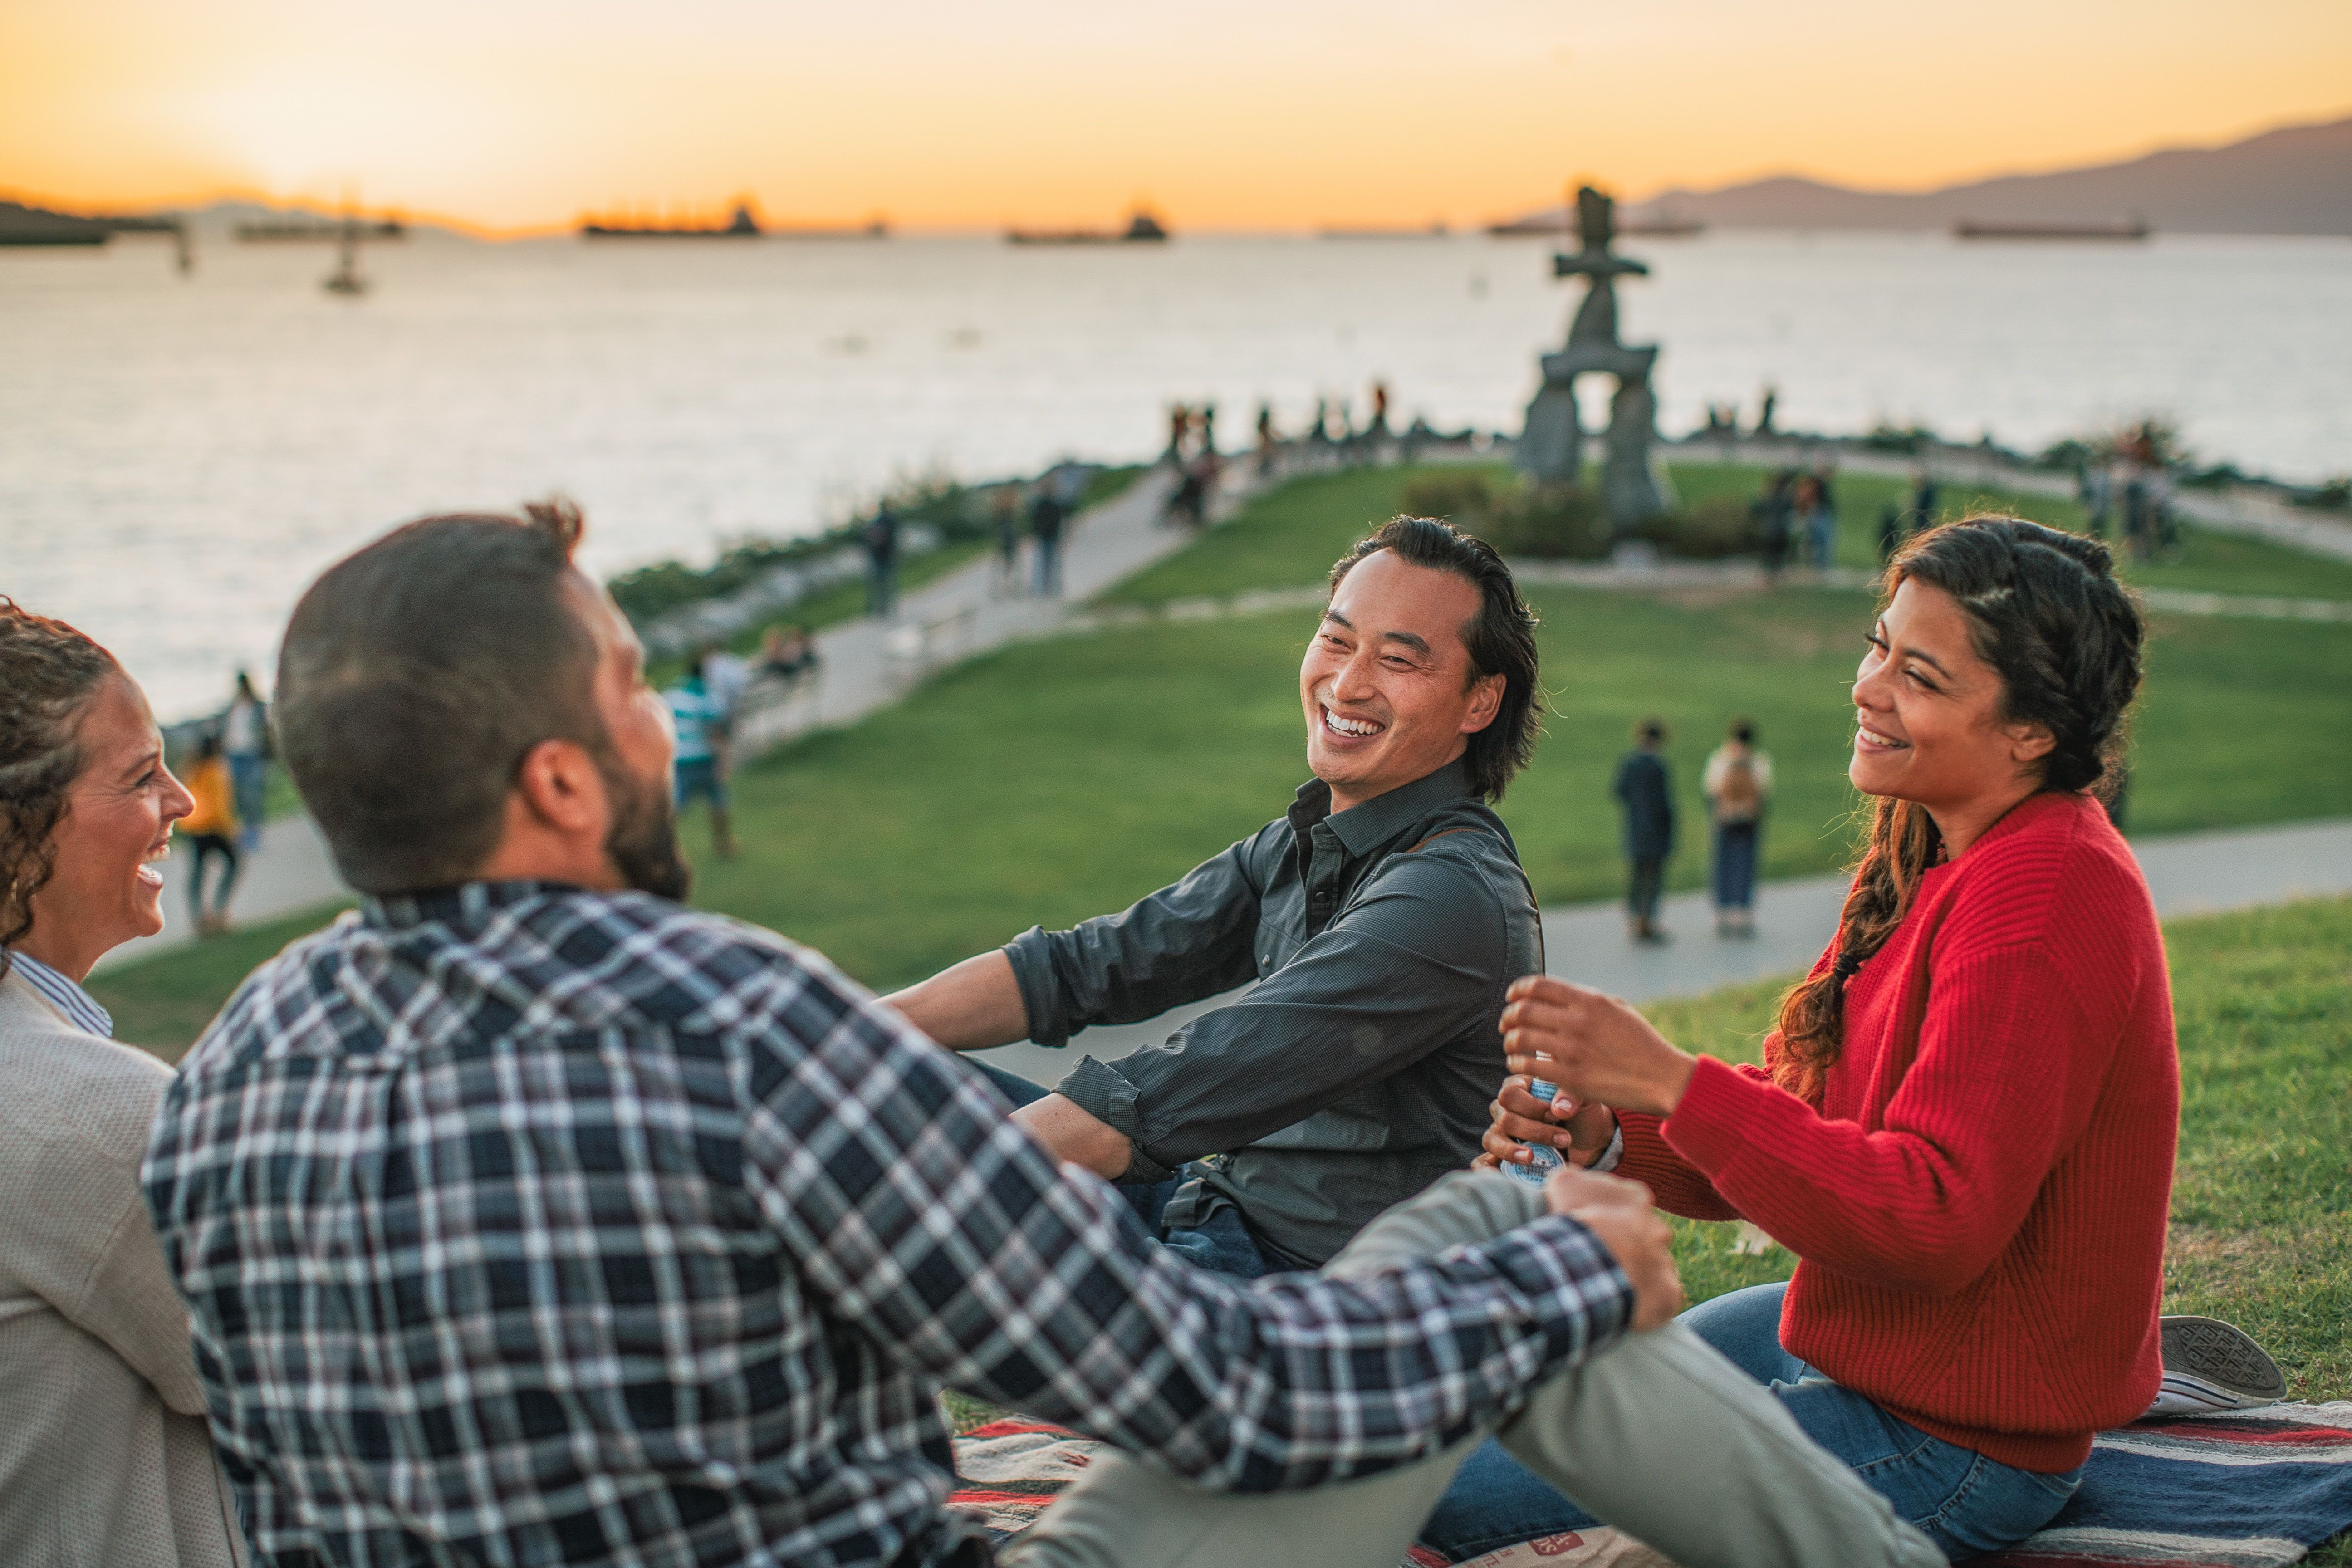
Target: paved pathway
{"x": 2190, "y": 874}
{"x": 871, "y": 663}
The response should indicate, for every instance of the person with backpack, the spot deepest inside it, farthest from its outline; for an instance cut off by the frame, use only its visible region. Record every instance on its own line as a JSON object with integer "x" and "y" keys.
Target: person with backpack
{"x": 1738, "y": 782}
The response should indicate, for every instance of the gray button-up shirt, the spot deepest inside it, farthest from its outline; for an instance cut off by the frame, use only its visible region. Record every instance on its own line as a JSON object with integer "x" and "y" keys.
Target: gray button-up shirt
{"x": 1360, "y": 1066}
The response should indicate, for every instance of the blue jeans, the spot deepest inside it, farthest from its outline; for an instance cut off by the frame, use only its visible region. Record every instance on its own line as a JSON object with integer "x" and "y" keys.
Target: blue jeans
{"x": 1966, "y": 1503}
{"x": 1734, "y": 865}
{"x": 1822, "y": 525}
{"x": 248, "y": 774}
{"x": 1222, "y": 1243}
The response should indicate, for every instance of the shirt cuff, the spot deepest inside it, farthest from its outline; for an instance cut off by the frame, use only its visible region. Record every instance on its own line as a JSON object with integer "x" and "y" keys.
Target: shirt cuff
{"x": 1611, "y": 1155}
{"x": 1031, "y": 956}
{"x": 1103, "y": 1093}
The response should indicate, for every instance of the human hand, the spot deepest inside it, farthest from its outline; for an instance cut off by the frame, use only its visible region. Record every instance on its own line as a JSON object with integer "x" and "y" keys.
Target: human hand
{"x": 1581, "y": 1130}
{"x": 1595, "y": 1046}
{"x": 1617, "y": 1212}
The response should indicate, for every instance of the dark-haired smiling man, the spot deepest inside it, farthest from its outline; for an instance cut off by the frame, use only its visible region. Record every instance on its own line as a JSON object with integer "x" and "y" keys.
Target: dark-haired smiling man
{"x": 1381, "y": 917}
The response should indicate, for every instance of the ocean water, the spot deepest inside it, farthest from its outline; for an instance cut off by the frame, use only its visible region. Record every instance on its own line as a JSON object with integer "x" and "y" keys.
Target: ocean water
{"x": 178, "y": 457}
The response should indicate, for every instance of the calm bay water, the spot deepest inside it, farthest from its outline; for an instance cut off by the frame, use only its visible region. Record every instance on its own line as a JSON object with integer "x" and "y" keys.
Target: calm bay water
{"x": 179, "y": 457}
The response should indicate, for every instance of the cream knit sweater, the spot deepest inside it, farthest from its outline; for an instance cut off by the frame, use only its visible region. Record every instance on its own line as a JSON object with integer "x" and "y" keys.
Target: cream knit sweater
{"x": 105, "y": 1458}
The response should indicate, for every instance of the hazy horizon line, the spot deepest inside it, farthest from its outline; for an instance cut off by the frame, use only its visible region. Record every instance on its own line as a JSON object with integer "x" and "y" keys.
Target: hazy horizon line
{"x": 223, "y": 194}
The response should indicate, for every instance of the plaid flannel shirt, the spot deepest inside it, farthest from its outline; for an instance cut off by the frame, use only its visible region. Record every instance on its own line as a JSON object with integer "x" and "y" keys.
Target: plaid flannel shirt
{"x": 519, "y": 1224}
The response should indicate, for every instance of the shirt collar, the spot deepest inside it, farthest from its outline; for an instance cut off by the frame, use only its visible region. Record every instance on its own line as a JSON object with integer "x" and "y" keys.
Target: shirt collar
{"x": 63, "y": 994}
{"x": 467, "y": 904}
{"x": 1363, "y": 828}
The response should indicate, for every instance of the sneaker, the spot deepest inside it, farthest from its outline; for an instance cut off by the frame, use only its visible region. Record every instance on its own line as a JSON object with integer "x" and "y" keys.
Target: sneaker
{"x": 2209, "y": 1366}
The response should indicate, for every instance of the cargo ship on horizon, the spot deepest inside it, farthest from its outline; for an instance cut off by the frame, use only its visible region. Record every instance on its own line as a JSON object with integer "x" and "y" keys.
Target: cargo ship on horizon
{"x": 742, "y": 226}
{"x": 1973, "y": 229}
{"x": 1142, "y": 229}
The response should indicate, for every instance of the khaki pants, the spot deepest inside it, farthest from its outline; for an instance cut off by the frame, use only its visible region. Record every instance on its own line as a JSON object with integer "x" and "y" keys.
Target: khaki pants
{"x": 1658, "y": 1434}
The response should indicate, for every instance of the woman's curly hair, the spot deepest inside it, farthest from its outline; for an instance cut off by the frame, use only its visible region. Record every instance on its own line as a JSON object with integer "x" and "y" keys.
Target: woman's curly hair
{"x": 47, "y": 670}
{"x": 2046, "y": 612}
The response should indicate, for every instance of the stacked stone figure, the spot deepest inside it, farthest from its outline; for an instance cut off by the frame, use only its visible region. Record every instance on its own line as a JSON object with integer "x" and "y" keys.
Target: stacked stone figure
{"x": 1552, "y": 446}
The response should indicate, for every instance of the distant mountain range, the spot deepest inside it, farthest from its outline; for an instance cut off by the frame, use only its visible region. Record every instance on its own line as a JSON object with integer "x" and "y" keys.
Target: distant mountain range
{"x": 2295, "y": 181}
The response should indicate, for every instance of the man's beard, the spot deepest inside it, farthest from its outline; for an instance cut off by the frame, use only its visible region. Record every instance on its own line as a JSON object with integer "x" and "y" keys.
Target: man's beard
{"x": 643, "y": 839}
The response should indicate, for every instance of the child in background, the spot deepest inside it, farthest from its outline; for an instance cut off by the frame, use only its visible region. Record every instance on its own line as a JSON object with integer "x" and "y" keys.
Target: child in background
{"x": 211, "y": 829}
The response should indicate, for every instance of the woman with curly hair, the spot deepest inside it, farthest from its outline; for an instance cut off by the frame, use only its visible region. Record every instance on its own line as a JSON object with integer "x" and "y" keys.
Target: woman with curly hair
{"x": 105, "y": 1457}
{"x": 1965, "y": 1125}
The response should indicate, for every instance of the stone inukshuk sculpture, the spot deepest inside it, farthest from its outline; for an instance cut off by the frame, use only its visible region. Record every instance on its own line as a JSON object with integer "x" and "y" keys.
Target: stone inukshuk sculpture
{"x": 1552, "y": 446}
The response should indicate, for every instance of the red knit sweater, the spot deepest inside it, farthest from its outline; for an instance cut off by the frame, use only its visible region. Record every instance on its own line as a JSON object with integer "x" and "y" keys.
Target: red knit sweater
{"x": 1980, "y": 1203}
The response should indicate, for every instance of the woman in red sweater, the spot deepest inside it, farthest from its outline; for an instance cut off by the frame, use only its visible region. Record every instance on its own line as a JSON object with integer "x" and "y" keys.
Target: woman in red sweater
{"x": 1965, "y": 1126}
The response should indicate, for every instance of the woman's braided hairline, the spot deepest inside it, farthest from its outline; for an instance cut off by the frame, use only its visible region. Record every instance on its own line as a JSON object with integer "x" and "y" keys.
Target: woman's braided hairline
{"x": 47, "y": 670}
{"x": 2022, "y": 623}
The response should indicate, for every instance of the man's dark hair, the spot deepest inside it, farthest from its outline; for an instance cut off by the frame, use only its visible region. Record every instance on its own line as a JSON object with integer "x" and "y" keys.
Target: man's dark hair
{"x": 1501, "y": 637}
{"x": 415, "y": 676}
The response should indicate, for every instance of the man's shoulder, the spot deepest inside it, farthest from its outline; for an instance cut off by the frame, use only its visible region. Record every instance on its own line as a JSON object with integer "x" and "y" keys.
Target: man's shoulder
{"x": 559, "y": 961}
{"x": 1462, "y": 853}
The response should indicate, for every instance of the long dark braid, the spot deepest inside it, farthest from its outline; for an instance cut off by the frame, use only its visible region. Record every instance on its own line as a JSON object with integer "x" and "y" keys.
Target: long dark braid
{"x": 2046, "y": 613}
{"x": 47, "y": 670}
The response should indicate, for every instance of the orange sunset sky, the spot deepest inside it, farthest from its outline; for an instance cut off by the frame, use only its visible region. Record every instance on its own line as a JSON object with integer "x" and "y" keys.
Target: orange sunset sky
{"x": 513, "y": 114}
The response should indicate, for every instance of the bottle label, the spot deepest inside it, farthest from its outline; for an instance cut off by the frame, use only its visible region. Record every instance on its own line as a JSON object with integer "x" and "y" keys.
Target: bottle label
{"x": 1541, "y": 1161}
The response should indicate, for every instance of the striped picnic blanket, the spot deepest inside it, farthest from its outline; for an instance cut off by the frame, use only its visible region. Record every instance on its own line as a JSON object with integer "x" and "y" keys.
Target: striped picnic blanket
{"x": 2246, "y": 1489}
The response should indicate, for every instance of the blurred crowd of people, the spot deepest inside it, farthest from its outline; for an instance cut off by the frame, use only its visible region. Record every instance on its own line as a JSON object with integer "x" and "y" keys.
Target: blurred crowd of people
{"x": 2131, "y": 491}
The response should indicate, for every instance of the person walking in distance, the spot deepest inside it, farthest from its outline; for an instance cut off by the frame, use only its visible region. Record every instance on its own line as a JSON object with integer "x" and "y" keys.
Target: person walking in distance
{"x": 1820, "y": 516}
{"x": 210, "y": 831}
{"x": 700, "y": 720}
{"x": 1046, "y": 514}
{"x": 1926, "y": 494}
{"x": 244, "y": 741}
{"x": 2095, "y": 488}
{"x": 1645, "y": 794}
{"x": 1738, "y": 782}
{"x": 1005, "y": 509}
{"x": 1775, "y": 514}
{"x": 882, "y": 562}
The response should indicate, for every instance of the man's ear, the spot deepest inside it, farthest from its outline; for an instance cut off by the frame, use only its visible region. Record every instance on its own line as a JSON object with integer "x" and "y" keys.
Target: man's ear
{"x": 1486, "y": 702}
{"x": 563, "y": 789}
